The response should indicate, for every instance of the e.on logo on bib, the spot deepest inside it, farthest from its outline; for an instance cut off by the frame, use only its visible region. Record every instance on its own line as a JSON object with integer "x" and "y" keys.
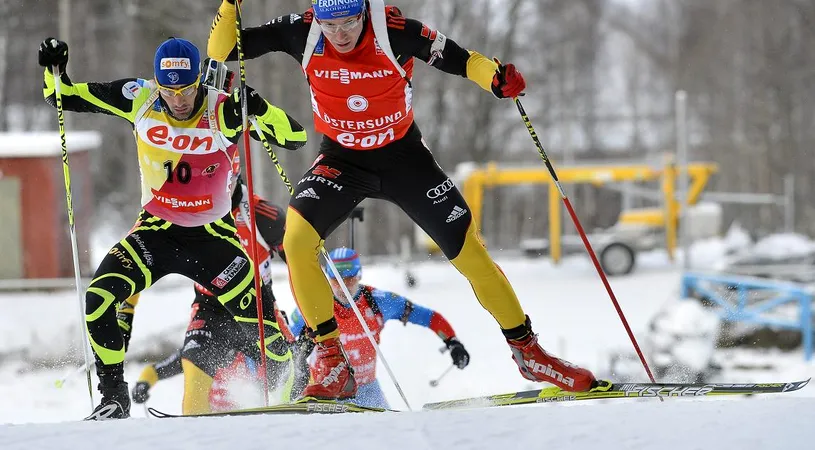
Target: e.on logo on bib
{"x": 192, "y": 140}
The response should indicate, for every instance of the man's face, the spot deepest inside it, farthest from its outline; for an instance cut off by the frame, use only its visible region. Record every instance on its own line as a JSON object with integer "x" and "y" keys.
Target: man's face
{"x": 352, "y": 283}
{"x": 343, "y": 33}
{"x": 180, "y": 99}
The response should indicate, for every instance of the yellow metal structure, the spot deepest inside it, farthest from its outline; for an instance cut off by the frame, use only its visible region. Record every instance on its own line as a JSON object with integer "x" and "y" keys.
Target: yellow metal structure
{"x": 667, "y": 216}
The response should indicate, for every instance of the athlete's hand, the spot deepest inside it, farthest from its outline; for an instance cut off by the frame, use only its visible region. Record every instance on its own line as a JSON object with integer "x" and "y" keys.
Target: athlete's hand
{"x": 53, "y": 52}
{"x": 141, "y": 392}
{"x": 255, "y": 105}
{"x": 507, "y": 81}
{"x": 280, "y": 134}
{"x": 268, "y": 132}
{"x": 461, "y": 358}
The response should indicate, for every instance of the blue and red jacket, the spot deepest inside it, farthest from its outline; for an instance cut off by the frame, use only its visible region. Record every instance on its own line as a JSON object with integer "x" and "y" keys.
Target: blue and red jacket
{"x": 377, "y": 307}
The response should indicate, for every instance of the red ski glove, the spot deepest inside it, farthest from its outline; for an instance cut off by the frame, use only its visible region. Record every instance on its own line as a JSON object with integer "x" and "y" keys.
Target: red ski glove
{"x": 507, "y": 81}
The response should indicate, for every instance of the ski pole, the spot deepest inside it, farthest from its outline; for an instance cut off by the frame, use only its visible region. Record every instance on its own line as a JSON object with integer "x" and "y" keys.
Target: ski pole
{"x": 252, "y": 224}
{"x": 355, "y": 214}
{"x": 364, "y": 324}
{"x": 582, "y": 233}
{"x": 61, "y": 382}
{"x": 66, "y": 173}
{"x": 272, "y": 155}
{"x": 434, "y": 383}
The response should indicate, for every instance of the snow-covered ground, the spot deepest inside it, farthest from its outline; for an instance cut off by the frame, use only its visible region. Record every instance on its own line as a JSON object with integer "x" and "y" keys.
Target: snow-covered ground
{"x": 569, "y": 309}
{"x": 778, "y": 423}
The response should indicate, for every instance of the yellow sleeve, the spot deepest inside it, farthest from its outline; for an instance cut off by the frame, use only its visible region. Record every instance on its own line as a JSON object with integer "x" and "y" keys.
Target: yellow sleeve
{"x": 481, "y": 70}
{"x": 94, "y": 97}
{"x": 222, "y": 35}
{"x": 287, "y": 131}
{"x": 149, "y": 375}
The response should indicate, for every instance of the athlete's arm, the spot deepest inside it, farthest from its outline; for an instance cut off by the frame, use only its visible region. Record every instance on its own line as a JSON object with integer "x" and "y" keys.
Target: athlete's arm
{"x": 115, "y": 98}
{"x": 169, "y": 367}
{"x": 271, "y": 220}
{"x": 284, "y": 34}
{"x": 411, "y": 37}
{"x": 396, "y": 307}
{"x": 282, "y": 128}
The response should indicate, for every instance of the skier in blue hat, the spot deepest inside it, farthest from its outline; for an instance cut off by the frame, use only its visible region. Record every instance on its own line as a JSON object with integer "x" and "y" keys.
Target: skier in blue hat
{"x": 186, "y": 138}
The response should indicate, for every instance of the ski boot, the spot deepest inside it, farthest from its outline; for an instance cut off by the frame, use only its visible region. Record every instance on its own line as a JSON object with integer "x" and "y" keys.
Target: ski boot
{"x": 333, "y": 375}
{"x": 536, "y": 364}
{"x": 115, "y": 402}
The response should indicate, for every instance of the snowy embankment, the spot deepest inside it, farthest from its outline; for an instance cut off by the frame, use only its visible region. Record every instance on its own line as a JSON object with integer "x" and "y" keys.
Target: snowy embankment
{"x": 569, "y": 308}
{"x": 783, "y": 423}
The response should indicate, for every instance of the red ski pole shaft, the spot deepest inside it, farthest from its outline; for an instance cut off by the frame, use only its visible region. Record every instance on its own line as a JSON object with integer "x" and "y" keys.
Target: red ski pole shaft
{"x": 247, "y": 155}
{"x": 582, "y": 234}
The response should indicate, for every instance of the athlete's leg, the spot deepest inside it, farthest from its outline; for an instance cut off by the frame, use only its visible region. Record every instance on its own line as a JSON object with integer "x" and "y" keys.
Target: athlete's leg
{"x": 125, "y": 313}
{"x": 214, "y": 258}
{"x": 419, "y": 186}
{"x": 207, "y": 347}
{"x": 424, "y": 191}
{"x": 324, "y": 197}
{"x": 132, "y": 265}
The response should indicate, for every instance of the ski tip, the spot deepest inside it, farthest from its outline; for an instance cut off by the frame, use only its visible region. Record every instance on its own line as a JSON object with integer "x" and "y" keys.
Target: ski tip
{"x": 794, "y": 386}
{"x": 161, "y": 415}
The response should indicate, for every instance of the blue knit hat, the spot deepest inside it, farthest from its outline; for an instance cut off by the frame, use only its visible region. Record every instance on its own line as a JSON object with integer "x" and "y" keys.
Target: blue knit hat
{"x": 347, "y": 262}
{"x": 177, "y": 62}
{"x": 337, "y": 9}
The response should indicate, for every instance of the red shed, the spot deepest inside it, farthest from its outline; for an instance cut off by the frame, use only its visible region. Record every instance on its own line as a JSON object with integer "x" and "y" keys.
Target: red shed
{"x": 34, "y": 235}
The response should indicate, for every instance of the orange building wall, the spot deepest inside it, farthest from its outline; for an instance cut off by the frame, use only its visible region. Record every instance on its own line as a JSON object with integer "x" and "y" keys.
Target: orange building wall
{"x": 46, "y": 240}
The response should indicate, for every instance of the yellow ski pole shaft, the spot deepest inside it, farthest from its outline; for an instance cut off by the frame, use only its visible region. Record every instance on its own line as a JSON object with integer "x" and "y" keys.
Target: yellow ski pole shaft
{"x": 66, "y": 172}
{"x": 271, "y": 152}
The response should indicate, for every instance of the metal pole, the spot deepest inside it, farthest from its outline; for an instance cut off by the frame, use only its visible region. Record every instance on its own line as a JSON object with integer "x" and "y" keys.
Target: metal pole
{"x": 64, "y": 30}
{"x": 351, "y": 232}
{"x": 64, "y": 12}
{"x": 580, "y": 231}
{"x": 331, "y": 266}
{"x": 789, "y": 203}
{"x": 356, "y": 214}
{"x": 682, "y": 166}
{"x": 260, "y": 175}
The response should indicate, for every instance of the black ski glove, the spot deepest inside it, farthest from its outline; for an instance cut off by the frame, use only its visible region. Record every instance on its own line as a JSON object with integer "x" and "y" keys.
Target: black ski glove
{"x": 141, "y": 392}
{"x": 255, "y": 105}
{"x": 461, "y": 358}
{"x": 53, "y": 52}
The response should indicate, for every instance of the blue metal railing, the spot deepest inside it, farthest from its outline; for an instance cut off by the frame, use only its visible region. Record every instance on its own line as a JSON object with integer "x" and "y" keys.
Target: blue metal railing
{"x": 732, "y": 295}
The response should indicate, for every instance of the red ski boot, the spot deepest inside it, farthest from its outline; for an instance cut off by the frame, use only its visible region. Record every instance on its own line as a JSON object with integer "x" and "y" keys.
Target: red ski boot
{"x": 333, "y": 375}
{"x": 537, "y": 365}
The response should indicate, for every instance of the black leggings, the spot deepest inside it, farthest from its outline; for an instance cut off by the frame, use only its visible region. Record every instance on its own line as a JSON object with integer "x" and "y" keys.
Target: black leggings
{"x": 210, "y": 255}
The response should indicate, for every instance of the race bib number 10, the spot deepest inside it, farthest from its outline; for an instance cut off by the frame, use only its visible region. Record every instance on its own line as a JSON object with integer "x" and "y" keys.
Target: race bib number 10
{"x": 369, "y": 141}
